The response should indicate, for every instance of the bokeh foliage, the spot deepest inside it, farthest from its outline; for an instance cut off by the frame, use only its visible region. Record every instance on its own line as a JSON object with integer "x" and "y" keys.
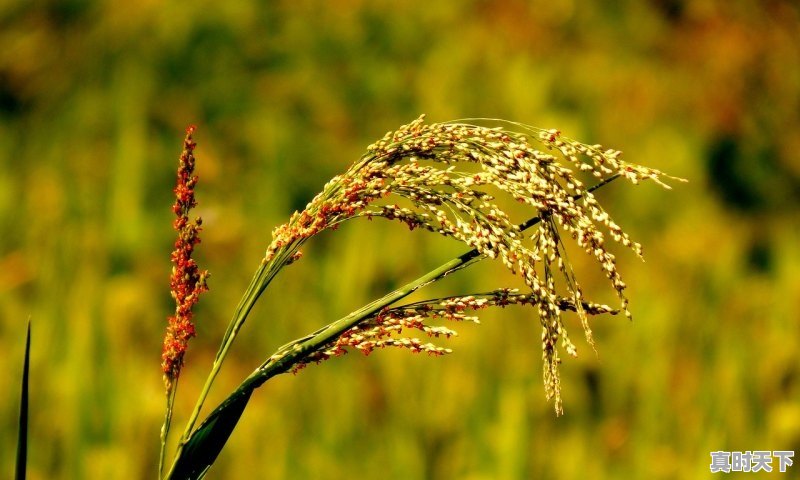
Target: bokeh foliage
{"x": 94, "y": 99}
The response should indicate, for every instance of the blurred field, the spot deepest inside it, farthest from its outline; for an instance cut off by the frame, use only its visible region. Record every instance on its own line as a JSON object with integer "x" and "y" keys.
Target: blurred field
{"x": 94, "y": 99}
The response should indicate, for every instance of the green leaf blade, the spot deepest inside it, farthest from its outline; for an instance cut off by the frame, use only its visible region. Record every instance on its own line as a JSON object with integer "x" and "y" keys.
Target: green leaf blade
{"x": 205, "y": 444}
{"x": 22, "y": 439}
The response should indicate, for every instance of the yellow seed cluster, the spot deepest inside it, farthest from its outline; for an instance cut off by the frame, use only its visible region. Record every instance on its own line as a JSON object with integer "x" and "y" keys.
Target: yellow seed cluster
{"x": 443, "y": 170}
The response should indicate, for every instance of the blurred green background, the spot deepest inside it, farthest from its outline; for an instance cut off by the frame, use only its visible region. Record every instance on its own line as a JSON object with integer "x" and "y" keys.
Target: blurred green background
{"x": 94, "y": 100}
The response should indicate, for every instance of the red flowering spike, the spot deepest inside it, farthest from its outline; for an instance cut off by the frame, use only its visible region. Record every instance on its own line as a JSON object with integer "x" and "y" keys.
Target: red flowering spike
{"x": 187, "y": 280}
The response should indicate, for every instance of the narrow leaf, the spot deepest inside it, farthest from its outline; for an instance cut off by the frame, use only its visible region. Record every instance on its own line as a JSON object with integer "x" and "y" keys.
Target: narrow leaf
{"x": 22, "y": 439}
{"x": 203, "y": 447}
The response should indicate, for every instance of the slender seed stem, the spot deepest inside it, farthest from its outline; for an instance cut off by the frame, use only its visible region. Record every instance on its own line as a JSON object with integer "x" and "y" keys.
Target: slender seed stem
{"x": 242, "y": 311}
{"x": 170, "y": 397}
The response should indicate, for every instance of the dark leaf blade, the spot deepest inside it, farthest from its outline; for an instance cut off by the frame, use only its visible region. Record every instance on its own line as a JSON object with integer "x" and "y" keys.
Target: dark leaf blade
{"x": 205, "y": 444}
{"x": 22, "y": 439}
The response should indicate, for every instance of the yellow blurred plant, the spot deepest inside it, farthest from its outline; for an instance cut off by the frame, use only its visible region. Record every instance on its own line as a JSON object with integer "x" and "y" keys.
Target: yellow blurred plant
{"x": 444, "y": 173}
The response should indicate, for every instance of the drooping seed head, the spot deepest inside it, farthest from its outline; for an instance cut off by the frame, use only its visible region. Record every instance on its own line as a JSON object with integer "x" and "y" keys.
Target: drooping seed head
{"x": 444, "y": 171}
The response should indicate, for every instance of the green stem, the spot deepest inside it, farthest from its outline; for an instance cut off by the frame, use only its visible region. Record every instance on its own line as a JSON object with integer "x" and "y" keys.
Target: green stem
{"x": 298, "y": 349}
{"x": 165, "y": 428}
{"x": 261, "y": 279}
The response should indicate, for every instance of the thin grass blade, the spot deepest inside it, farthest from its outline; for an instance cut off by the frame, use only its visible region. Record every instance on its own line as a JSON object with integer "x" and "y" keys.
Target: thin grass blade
{"x": 22, "y": 439}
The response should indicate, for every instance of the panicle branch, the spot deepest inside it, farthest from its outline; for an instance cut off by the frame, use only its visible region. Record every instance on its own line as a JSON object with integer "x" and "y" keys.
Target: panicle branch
{"x": 386, "y": 328}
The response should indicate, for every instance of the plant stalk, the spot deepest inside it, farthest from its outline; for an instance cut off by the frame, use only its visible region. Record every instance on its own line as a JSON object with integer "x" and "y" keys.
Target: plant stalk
{"x": 170, "y": 397}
